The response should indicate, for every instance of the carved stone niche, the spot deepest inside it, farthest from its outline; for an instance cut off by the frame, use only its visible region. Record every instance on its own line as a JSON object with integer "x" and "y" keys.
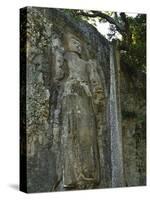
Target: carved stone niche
{"x": 76, "y": 120}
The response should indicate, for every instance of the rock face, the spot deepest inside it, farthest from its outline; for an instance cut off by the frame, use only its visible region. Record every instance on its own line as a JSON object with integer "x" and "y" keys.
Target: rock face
{"x": 75, "y": 135}
{"x": 133, "y": 106}
{"x": 115, "y": 119}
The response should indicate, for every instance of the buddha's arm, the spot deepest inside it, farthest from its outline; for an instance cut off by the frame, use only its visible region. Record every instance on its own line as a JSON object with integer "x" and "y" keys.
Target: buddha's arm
{"x": 95, "y": 81}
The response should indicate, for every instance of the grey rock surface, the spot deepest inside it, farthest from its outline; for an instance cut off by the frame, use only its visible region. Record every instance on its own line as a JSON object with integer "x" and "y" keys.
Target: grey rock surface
{"x": 77, "y": 134}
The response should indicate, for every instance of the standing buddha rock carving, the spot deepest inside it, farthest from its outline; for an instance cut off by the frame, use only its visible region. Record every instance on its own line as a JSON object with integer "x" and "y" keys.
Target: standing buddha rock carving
{"x": 79, "y": 135}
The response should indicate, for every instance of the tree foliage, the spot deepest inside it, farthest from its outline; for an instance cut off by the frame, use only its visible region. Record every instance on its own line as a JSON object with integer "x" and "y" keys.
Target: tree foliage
{"x": 135, "y": 55}
{"x": 132, "y": 29}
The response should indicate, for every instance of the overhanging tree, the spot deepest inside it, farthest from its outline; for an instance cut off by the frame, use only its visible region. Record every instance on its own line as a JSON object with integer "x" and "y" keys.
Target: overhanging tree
{"x": 132, "y": 29}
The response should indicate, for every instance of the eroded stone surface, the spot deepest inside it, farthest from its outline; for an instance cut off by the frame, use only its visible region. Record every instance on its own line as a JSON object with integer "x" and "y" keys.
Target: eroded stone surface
{"x": 68, "y": 108}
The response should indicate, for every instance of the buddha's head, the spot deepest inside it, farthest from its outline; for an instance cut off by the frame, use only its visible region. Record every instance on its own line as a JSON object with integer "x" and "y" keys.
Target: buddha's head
{"x": 73, "y": 43}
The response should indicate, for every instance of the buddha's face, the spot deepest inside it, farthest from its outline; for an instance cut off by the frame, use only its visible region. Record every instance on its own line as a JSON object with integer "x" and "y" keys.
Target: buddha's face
{"x": 74, "y": 45}
{"x": 59, "y": 59}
